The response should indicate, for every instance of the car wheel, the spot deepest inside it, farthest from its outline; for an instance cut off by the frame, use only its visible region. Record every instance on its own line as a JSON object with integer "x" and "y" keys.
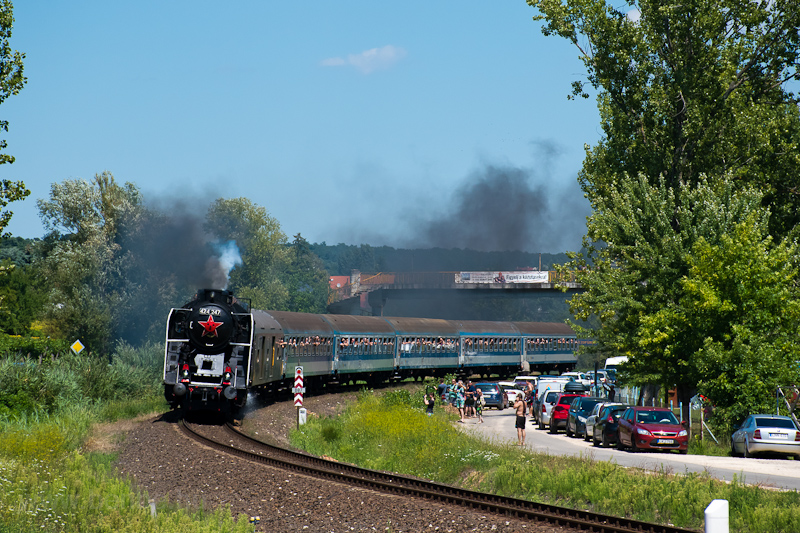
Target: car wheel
{"x": 734, "y": 453}
{"x": 620, "y": 446}
{"x": 746, "y": 453}
{"x": 568, "y": 430}
{"x": 633, "y": 447}
{"x": 553, "y": 427}
{"x": 684, "y": 452}
{"x": 606, "y": 444}
{"x": 586, "y": 435}
{"x": 541, "y": 424}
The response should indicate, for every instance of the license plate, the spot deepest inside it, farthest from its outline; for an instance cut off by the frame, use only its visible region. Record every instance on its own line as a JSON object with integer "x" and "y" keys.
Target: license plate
{"x": 663, "y": 441}
{"x": 779, "y": 436}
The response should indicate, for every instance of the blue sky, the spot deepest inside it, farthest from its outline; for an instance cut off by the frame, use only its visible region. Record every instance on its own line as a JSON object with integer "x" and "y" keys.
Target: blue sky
{"x": 353, "y": 121}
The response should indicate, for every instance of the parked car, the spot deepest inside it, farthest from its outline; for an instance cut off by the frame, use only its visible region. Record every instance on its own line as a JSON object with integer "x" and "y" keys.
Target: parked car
{"x": 602, "y": 377}
{"x": 651, "y": 428}
{"x": 543, "y": 407}
{"x": 579, "y": 410}
{"x": 560, "y": 411}
{"x": 604, "y": 426}
{"x": 766, "y": 433}
{"x": 580, "y": 377}
{"x": 494, "y": 394}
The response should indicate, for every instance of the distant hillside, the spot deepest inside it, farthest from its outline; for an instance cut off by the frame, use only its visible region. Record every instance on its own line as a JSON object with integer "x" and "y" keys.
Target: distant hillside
{"x": 340, "y": 259}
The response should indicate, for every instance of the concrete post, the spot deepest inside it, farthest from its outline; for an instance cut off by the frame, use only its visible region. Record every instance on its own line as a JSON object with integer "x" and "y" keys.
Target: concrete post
{"x": 717, "y": 517}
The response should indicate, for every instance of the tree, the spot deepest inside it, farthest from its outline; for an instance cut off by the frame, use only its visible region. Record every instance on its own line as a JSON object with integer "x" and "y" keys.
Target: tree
{"x": 261, "y": 242}
{"x": 736, "y": 319}
{"x": 12, "y": 81}
{"x": 306, "y": 279}
{"x": 696, "y": 110}
{"x": 690, "y": 88}
{"x": 83, "y": 259}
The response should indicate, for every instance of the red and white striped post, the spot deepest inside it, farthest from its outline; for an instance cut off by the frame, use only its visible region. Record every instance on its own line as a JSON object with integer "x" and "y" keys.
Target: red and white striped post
{"x": 298, "y": 391}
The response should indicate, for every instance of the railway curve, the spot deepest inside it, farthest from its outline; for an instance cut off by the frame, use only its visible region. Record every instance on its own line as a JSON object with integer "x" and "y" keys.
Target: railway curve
{"x": 250, "y": 449}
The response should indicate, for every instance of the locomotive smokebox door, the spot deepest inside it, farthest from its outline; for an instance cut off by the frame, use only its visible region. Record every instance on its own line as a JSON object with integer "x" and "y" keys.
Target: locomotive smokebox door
{"x": 211, "y": 328}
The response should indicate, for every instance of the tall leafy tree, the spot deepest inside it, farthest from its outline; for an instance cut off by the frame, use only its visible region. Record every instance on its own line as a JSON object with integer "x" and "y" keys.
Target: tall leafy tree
{"x": 688, "y": 91}
{"x": 306, "y": 279}
{"x": 12, "y": 81}
{"x": 261, "y": 244}
{"x": 690, "y": 88}
{"x": 736, "y": 317}
{"x": 82, "y": 257}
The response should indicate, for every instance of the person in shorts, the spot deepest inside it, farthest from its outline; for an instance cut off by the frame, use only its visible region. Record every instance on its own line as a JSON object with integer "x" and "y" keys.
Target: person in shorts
{"x": 519, "y": 405}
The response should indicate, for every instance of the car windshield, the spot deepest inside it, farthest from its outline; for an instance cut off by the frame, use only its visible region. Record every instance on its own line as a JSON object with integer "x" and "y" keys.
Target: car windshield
{"x": 566, "y": 400}
{"x": 656, "y": 417}
{"x": 487, "y": 387}
{"x": 551, "y": 397}
{"x": 775, "y": 423}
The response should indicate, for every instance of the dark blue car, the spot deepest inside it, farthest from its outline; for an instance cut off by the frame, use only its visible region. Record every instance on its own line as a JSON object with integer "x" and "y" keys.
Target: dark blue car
{"x": 578, "y": 412}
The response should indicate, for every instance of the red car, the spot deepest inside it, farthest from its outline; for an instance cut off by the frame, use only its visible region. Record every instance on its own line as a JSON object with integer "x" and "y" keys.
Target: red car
{"x": 651, "y": 428}
{"x": 560, "y": 412}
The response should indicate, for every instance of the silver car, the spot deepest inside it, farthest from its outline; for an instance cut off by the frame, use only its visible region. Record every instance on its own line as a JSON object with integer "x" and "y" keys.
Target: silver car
{"x": 766, "y": 433}
{"x": 547, "y": 402}
{"x": 592, "y": 418}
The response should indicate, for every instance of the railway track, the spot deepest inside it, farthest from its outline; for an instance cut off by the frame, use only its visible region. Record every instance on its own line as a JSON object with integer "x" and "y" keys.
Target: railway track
{"x": 241, "y": 445}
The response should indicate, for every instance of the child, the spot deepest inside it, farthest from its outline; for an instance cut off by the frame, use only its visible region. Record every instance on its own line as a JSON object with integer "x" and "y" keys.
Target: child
{"x": 480, "y": 402}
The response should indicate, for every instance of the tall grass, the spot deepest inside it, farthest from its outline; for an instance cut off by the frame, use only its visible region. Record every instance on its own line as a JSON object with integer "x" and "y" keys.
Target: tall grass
{"x": 46, "y": 412}
{"x": 391, "y": 432}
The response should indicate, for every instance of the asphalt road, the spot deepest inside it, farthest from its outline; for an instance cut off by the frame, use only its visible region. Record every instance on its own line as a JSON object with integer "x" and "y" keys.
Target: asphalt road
{"x": 776, "y": 473}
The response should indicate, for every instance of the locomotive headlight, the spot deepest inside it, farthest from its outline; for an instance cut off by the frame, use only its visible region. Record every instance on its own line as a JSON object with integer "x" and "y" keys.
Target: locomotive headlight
{"x": 226, "y": 377}
{"x": 185, "y": 372}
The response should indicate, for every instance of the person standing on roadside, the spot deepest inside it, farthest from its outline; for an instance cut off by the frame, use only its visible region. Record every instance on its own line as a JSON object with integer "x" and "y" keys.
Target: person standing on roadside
{"x": 441, "y": 391}
{"x": 461, "y": 396}
{"x": 430, "y": 401}
{"x": 519, "y": 405}
{"x": 480, "y": 402}
{"x": 470, "y": 401}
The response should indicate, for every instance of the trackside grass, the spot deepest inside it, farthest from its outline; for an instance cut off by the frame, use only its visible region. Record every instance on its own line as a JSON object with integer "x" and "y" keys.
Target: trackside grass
{"x": 391, "y": 432}
{"x": 47, "y": 483}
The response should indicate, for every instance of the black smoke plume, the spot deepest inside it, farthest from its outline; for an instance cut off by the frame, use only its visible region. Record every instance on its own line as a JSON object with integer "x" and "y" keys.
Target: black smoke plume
{"x": 507, "y": 209}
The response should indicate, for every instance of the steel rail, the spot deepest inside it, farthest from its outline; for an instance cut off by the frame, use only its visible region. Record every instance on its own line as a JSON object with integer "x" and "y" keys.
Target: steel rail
{"x": 407, "y": 486}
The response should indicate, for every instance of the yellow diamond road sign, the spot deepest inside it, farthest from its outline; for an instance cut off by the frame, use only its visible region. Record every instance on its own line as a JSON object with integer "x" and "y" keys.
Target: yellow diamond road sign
{"x": 77, "y": 346}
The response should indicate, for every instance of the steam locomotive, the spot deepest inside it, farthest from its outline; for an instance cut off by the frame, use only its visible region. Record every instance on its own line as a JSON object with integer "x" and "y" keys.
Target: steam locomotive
{"x": 219, "y": 350}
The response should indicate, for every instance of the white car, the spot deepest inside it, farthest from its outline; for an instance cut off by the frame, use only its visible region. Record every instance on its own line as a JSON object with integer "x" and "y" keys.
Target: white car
{"x": 580, "y": 377}
{"x": 512, "y": 391}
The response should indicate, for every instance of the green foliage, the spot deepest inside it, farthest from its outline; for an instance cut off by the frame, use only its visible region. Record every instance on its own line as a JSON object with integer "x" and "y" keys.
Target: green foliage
{"x": 83, "y": 259}
{"x": 28, "y": 387}
{"x": 261, "y": 244}
{"x": 701, "y": 130}
{"x": 687, "y": 89}
{"x": 306, "y": 279}
{"x": 12, "y": 81}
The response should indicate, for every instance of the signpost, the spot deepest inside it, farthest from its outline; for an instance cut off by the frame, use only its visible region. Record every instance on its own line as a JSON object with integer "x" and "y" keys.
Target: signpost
{"x": 77, "y": 347}
{"x": 298, "y": 391}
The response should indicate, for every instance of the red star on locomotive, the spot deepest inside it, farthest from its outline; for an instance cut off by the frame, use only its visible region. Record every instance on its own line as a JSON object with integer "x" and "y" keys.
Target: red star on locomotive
{"x": 210, "y": 326}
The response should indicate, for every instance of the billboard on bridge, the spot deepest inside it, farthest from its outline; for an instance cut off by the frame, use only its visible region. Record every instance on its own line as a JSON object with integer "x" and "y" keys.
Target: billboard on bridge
{"x": 526, "y": 276}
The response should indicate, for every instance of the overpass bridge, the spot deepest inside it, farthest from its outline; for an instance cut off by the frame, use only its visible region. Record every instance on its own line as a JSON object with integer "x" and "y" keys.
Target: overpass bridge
{"x": 369, "y": 293}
